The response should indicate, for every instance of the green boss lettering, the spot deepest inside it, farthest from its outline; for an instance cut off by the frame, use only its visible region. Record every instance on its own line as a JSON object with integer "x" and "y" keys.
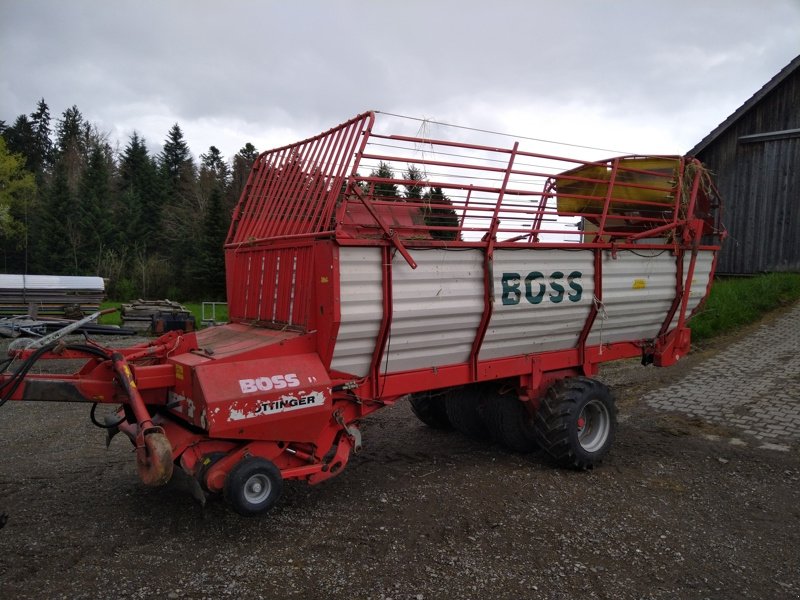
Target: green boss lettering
{"x": 511, "y": 293}
{"x": 575, "y": 286}
{"x": 536, "y": 285}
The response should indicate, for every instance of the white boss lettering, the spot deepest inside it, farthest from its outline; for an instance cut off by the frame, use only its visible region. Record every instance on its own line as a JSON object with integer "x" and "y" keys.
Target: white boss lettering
{"x": 248, "y": 385}
{"x": 267, "y": 384}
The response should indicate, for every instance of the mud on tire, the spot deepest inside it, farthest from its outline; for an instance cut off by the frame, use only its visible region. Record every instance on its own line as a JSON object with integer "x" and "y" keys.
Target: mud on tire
{"x": 577, "y": 422}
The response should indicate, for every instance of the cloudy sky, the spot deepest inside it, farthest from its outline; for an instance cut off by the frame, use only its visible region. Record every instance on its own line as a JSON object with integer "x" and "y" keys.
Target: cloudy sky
{"x": 629, "y": 75}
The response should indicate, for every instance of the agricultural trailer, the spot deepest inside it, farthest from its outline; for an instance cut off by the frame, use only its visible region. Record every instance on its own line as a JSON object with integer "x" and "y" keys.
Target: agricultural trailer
{"x": 485, "y": 284}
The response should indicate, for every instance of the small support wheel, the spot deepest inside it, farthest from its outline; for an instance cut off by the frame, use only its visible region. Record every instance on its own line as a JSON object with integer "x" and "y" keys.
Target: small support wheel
{"x": 430, "y": 409}
{"x": 577, "y": 422}
{"x": 253, "y": 486}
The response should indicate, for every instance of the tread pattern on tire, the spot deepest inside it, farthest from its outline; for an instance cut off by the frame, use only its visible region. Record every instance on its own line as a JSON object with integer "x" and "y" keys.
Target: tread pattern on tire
{"x": 509, "y": 422}
{"x": 429, "y": 407}
{"x": 556, "y": 421}
{"x": 464, "y": 408}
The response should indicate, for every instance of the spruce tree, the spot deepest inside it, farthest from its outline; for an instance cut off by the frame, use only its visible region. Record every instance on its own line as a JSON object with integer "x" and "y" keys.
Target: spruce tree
{"x": 242, "y": 163}
{"x": 21, "y": 139}
{"x": 141, "y": 195}
{"x": 42, "y": 144}
{"x": 383, "y": 189}
{"x": 94, "y": 208}
{"x": 212, "y": 260}
{"x": 439, "y": 214}
{"x": 414, "y": 190}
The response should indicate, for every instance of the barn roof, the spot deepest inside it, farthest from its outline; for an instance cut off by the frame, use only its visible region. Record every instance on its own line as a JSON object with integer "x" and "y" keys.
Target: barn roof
{"x": 766, "y": 89}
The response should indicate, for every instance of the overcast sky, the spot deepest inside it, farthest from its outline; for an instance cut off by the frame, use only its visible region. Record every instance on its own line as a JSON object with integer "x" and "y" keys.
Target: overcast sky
{"x": 650, "y": 77}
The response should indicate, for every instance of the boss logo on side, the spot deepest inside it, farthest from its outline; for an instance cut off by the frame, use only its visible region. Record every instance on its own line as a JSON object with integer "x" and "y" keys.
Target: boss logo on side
{"x": 267, "y": 384}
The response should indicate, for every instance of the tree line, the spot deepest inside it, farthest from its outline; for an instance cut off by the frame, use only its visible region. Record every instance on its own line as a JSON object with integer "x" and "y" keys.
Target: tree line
{"x": 154, "y": 226}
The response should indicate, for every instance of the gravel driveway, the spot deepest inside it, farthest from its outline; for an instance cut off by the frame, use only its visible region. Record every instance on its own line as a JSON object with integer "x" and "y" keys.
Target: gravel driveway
{"x": 683, "y": 507}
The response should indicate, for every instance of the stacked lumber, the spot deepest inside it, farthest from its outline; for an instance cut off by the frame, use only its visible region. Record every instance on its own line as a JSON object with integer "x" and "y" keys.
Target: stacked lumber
{"x": 50, "y": 295}
{"x": 138, "y": 314}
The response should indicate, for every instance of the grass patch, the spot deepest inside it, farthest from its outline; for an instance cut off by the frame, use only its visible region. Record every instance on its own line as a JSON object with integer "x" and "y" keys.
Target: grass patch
{"x": 738, "y": 301}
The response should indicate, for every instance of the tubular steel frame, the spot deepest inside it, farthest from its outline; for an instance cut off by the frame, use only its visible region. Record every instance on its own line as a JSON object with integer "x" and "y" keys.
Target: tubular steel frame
{"x": 299, "y": 194}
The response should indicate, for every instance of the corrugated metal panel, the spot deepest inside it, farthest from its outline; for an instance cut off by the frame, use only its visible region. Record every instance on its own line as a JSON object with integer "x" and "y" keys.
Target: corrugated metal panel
{"x": 638, "y": 290}
{"x": 270, "y": 284}
{"x": 702, "y": 274}
{"x": 361, "y": 302}
{"x": 524, "y": 327}
{"x": 436, "y": 309}
{"x": 50, "y": 282}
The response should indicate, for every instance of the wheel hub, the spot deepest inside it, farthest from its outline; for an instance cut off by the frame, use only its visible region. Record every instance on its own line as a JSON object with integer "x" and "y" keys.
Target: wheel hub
{"x": 257, "y": 489}
{"x": 594, "y": 426}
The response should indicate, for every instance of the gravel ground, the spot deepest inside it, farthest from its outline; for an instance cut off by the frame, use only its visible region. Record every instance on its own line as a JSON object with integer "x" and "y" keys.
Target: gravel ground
{"x": 676, "y": 511}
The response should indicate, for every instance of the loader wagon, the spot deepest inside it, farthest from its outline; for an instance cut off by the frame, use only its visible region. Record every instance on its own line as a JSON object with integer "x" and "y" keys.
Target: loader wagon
{"x": 484, "y": 284}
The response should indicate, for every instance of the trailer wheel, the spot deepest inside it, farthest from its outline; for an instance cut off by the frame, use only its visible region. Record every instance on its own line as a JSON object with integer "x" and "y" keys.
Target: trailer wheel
{"x": 509, "y": 422}
{"x": 253, "y": 486}
{"x": 429, "y": 407}
{"x": 576, "y": 422}
{"x": 464, "y": 407}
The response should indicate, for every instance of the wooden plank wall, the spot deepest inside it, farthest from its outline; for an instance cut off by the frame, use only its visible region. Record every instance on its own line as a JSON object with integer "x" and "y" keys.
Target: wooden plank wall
{"x": 759, "y": 182}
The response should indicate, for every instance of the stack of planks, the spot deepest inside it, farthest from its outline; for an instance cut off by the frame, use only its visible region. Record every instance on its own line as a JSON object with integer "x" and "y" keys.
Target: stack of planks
{"x": 138, "y": 314}
{"x": 50, "y": 295}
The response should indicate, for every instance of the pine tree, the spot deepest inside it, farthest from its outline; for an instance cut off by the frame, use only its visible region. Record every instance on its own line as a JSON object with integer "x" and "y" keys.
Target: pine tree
{"x": 181, "y": 224}
{"x": 215, "y": 229}
{"x": 242, "y": 163}
{"x": 94, "y": 208}
{"x": 414, "y": 190}
{"x": 141, "y": 195}
{"x": 384, "y": 190}
{"x": 20, "y": 139}
{"x": 438, "y": 214}
{"x": 42, "y": 144}
{"x": 177, "y": 165}
{"x": 71, "y": 147}
{"x": 60, "y": 236}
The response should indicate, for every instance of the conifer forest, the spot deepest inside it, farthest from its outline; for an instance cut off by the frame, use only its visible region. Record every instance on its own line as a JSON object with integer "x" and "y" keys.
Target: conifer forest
{"x": 73, "y": 202}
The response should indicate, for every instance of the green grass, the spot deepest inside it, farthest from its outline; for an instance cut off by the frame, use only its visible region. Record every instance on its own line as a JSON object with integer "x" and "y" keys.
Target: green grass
{"x": 196, "y": 309}
{"x": 735, "y": 302}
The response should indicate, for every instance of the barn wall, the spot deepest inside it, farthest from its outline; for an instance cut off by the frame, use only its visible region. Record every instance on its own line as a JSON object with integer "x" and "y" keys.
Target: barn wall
{"x": 759, "y": 182}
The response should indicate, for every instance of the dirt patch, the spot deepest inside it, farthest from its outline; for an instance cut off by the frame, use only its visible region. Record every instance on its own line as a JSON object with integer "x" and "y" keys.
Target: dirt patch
{"x": 676, "y": 511}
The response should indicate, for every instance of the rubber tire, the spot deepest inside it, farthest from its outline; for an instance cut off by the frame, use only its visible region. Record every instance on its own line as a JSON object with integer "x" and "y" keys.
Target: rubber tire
{"x": 464, "y": 407}
{"x": 557, "y": 422}
{"x": 429, "y": 407}
{"x": 509, "y": 422}
{"x": 242, "y": 475}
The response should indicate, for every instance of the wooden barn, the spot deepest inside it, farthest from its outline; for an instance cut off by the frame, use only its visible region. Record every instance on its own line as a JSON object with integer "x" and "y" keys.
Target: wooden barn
{"x": 755, "y": 155}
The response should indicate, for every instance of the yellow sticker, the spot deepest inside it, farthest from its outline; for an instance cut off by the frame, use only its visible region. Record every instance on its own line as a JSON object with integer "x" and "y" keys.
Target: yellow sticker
{"x": 323, "y": 279}
{"x": 639, "y": 284}
{"x": 179, "y": 372}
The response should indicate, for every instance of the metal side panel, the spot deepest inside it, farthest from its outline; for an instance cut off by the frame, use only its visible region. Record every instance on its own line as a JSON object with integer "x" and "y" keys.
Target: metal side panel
{"x": 436, "y": 310}
{"x": 541, "y": 301}
{"x": 702, "y": 274}
{"x": 638, "y": 290}
{"x": 361, "y": 298}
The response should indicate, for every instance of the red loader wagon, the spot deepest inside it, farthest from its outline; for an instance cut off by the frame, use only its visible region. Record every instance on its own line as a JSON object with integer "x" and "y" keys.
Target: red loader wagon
{"x": 485, "y": 284}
